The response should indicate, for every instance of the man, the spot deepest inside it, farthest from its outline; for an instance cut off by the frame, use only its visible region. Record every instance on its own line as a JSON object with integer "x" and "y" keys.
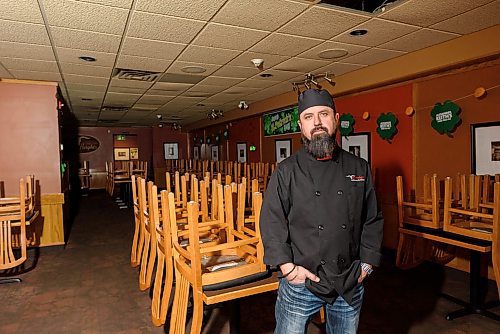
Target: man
{"x": 320, "y": 224}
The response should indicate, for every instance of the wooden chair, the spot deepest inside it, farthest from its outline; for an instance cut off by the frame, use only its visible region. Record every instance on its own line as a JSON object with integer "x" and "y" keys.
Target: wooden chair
{"x": 138, "y": 239}
{"x": 84, "y": 175}
{"x": 215, "y": 273}
{"x": 164, "y": 269}
{"x": 148, "y": 229}
{"x": 118, "y": 176}
{"x": 15, "y": 214}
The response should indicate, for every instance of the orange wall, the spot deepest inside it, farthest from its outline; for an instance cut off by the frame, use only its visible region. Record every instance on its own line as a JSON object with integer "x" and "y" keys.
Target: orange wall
{"x": 441, "y": 154}
{"x": 29, "y": 136}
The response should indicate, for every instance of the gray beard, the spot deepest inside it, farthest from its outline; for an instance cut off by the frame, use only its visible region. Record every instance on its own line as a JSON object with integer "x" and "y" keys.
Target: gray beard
{"x": 320, "y": 146}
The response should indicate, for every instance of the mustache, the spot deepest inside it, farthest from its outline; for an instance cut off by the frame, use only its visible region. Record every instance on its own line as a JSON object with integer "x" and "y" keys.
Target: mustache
{"x": 319, "y": 128}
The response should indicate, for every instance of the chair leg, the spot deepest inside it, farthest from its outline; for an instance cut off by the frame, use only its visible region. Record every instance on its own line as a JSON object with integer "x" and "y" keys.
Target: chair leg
{"x": 10, "y": 280}
{"x": 134, "y": 262}
{"x": 179, "y": 308}
{"x": 156, "y": 299}
{"x": 197, "y": 313}
{"x": 143, "y": 284}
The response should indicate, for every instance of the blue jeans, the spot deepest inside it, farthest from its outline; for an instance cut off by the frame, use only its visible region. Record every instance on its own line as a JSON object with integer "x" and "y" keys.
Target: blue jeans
{"x": 296, "y": 305}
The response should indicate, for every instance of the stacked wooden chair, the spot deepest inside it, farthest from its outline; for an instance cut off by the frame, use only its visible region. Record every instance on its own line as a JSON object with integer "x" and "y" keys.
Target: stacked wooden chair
{"x": 15, "y": 214}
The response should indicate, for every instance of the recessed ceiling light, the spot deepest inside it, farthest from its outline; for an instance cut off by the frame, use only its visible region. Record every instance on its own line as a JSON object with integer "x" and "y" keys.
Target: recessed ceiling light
{"x": 266, "y": 75}
{"x": 87, "y": 58}
{"x": 193, "y": 69}
{"x": 332, "y": 53}
{"x": 358, "y": 32}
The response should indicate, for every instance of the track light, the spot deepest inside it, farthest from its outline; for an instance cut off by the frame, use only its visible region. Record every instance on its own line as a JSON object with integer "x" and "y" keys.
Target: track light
{"x": 312, "y": 80}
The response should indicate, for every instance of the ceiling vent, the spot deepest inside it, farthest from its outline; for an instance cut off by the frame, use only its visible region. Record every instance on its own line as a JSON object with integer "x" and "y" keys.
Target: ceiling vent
{"x": 140, "y": 75}
{"x": 367, "y": 6}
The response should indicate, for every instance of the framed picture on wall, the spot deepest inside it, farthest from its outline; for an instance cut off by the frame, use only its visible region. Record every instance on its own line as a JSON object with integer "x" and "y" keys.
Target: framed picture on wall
{"x": 196, "y": 153}
{"x": 215, "y": 153}
{"x": 134, "y": 153}
{"x": 171, "y": 151}
{"x": 241, "y": 152}
{"x": 485, "y": 148}
{"x": 283, "y": 148}
{"x": 358, "y": 144}
{"x": 122, "y": 154}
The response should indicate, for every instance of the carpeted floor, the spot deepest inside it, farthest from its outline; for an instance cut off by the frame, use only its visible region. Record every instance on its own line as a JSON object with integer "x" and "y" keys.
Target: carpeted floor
{"x": 89, "y": 287}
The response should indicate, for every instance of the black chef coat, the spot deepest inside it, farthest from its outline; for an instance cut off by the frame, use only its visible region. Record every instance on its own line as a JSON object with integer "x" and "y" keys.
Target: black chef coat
{"x": 323, "y": 215}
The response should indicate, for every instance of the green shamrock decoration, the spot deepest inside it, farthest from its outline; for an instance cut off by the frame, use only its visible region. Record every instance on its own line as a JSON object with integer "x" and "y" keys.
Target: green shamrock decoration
{"x": 445, "y": 118}
{"x": 226, "y": 134}
{"x": 387, "y": 125}
{"x": 195, "y": 140}
{"x": 346, "y": 122}
{"x": 209, "y": 140}
{"x": 201, "y": 141}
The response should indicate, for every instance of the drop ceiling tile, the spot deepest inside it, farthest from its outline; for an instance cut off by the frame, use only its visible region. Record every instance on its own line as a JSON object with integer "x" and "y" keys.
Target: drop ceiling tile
{"x": 29, "y": 64}
{"x": 245, "y": 58}
{"x": 205, "y": 90}
{"x": 300, "y": 65}
{"x": 373, "y": 56}
{"x": 257, "y": 83}
{"x": 85, "y": 40}
{"x": 169, "y": 87}
{"x": 85, "y": 16}
{"x": 427, "y": 12}
{"x": 66, "y": 55}
{"x": 131, "y": 90}
{"x": 113, "y": 3}
{"x": 163, "y": 28}
{"x": 4, "y": 73}
{"x": 220, "y": 81}
{"x": 474, "y": 20}
{"x": 26, "y": 51}
{"x": 82, "y": 79}
{"x": 379, "y": 31}
{"x": 337, "y": 69}
{"x": 33, "y": 75}
{"x": 323, "y": 23}
{"x": 177, "y": 67}
{"x": 239, "y": 91}
{"x": 228, "y": 37}
{"x": 142, "y": 63}
{"x": 203, "y": 54}
{"x": 236, "y": 72}
{"x": 283, "y": 87}
{"x": 351, "y": 49}
{"x": 82, "y": 69}
{"x": 130, "y": 83}
{"x": 13, "y": 31}
{"x": 21, "y": 10}
{"x": 220, "y": 98}
{"x": 79, "y": 94}
{"x": 124, "y": 99}
{"x": 418, "y": 40}
{"x": 152, "y": 49}
{"x": 84, "y": 87}
{"x": 154, "y": 99}
{"x": 194, "y": 9}
{"x": 90, "y": 106}
{"x": 259, "y": 14}
{"x": 262, "y": 95}
{"x": 278, "y": 75}
{"x": 285, "y": 45}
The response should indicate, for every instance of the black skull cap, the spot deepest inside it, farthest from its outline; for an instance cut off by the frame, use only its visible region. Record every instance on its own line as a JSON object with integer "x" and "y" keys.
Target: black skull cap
{"x": 315, "y": 97}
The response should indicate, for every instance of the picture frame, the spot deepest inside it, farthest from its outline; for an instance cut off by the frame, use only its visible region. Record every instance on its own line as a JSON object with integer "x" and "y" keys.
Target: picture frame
{"x": 196, "y": 153}
{"x": 171, "y": 151}
{"x": 358, "y": 144}
{"x": 122, "y": 154}
{"x": 134, "y": 153}
{"x": 283, "y": 149}
{"x": 485, "y": 148}
{"x": 241, "y": 152}
{"x": 215, "y": 152}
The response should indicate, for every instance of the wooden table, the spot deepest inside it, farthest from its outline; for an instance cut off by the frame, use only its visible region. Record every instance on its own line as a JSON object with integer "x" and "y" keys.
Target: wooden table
{"x": 476, "y": 248}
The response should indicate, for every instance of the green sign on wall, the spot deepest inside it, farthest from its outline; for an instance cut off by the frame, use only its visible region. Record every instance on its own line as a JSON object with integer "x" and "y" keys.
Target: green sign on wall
{"x": 281, "y": 122}
{"x": 445, "y": 117}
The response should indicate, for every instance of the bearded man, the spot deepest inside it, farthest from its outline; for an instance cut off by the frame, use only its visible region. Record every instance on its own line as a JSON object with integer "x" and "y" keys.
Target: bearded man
{"x": 320, "y": 225}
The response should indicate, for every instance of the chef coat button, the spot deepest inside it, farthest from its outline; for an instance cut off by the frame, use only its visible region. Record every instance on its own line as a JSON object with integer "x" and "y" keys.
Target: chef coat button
{"x": 344, "y": 226}
{"x": 317, "y": 193}
{"x": 323, "y": 262}
{"x": 340, "y": 192}
{"x": 321, "y": 227}
{"x": 341, "y": 260}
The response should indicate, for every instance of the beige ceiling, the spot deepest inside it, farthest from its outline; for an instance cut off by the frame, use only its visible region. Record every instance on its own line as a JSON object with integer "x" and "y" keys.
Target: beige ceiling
{"x": 43, "y": 40}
